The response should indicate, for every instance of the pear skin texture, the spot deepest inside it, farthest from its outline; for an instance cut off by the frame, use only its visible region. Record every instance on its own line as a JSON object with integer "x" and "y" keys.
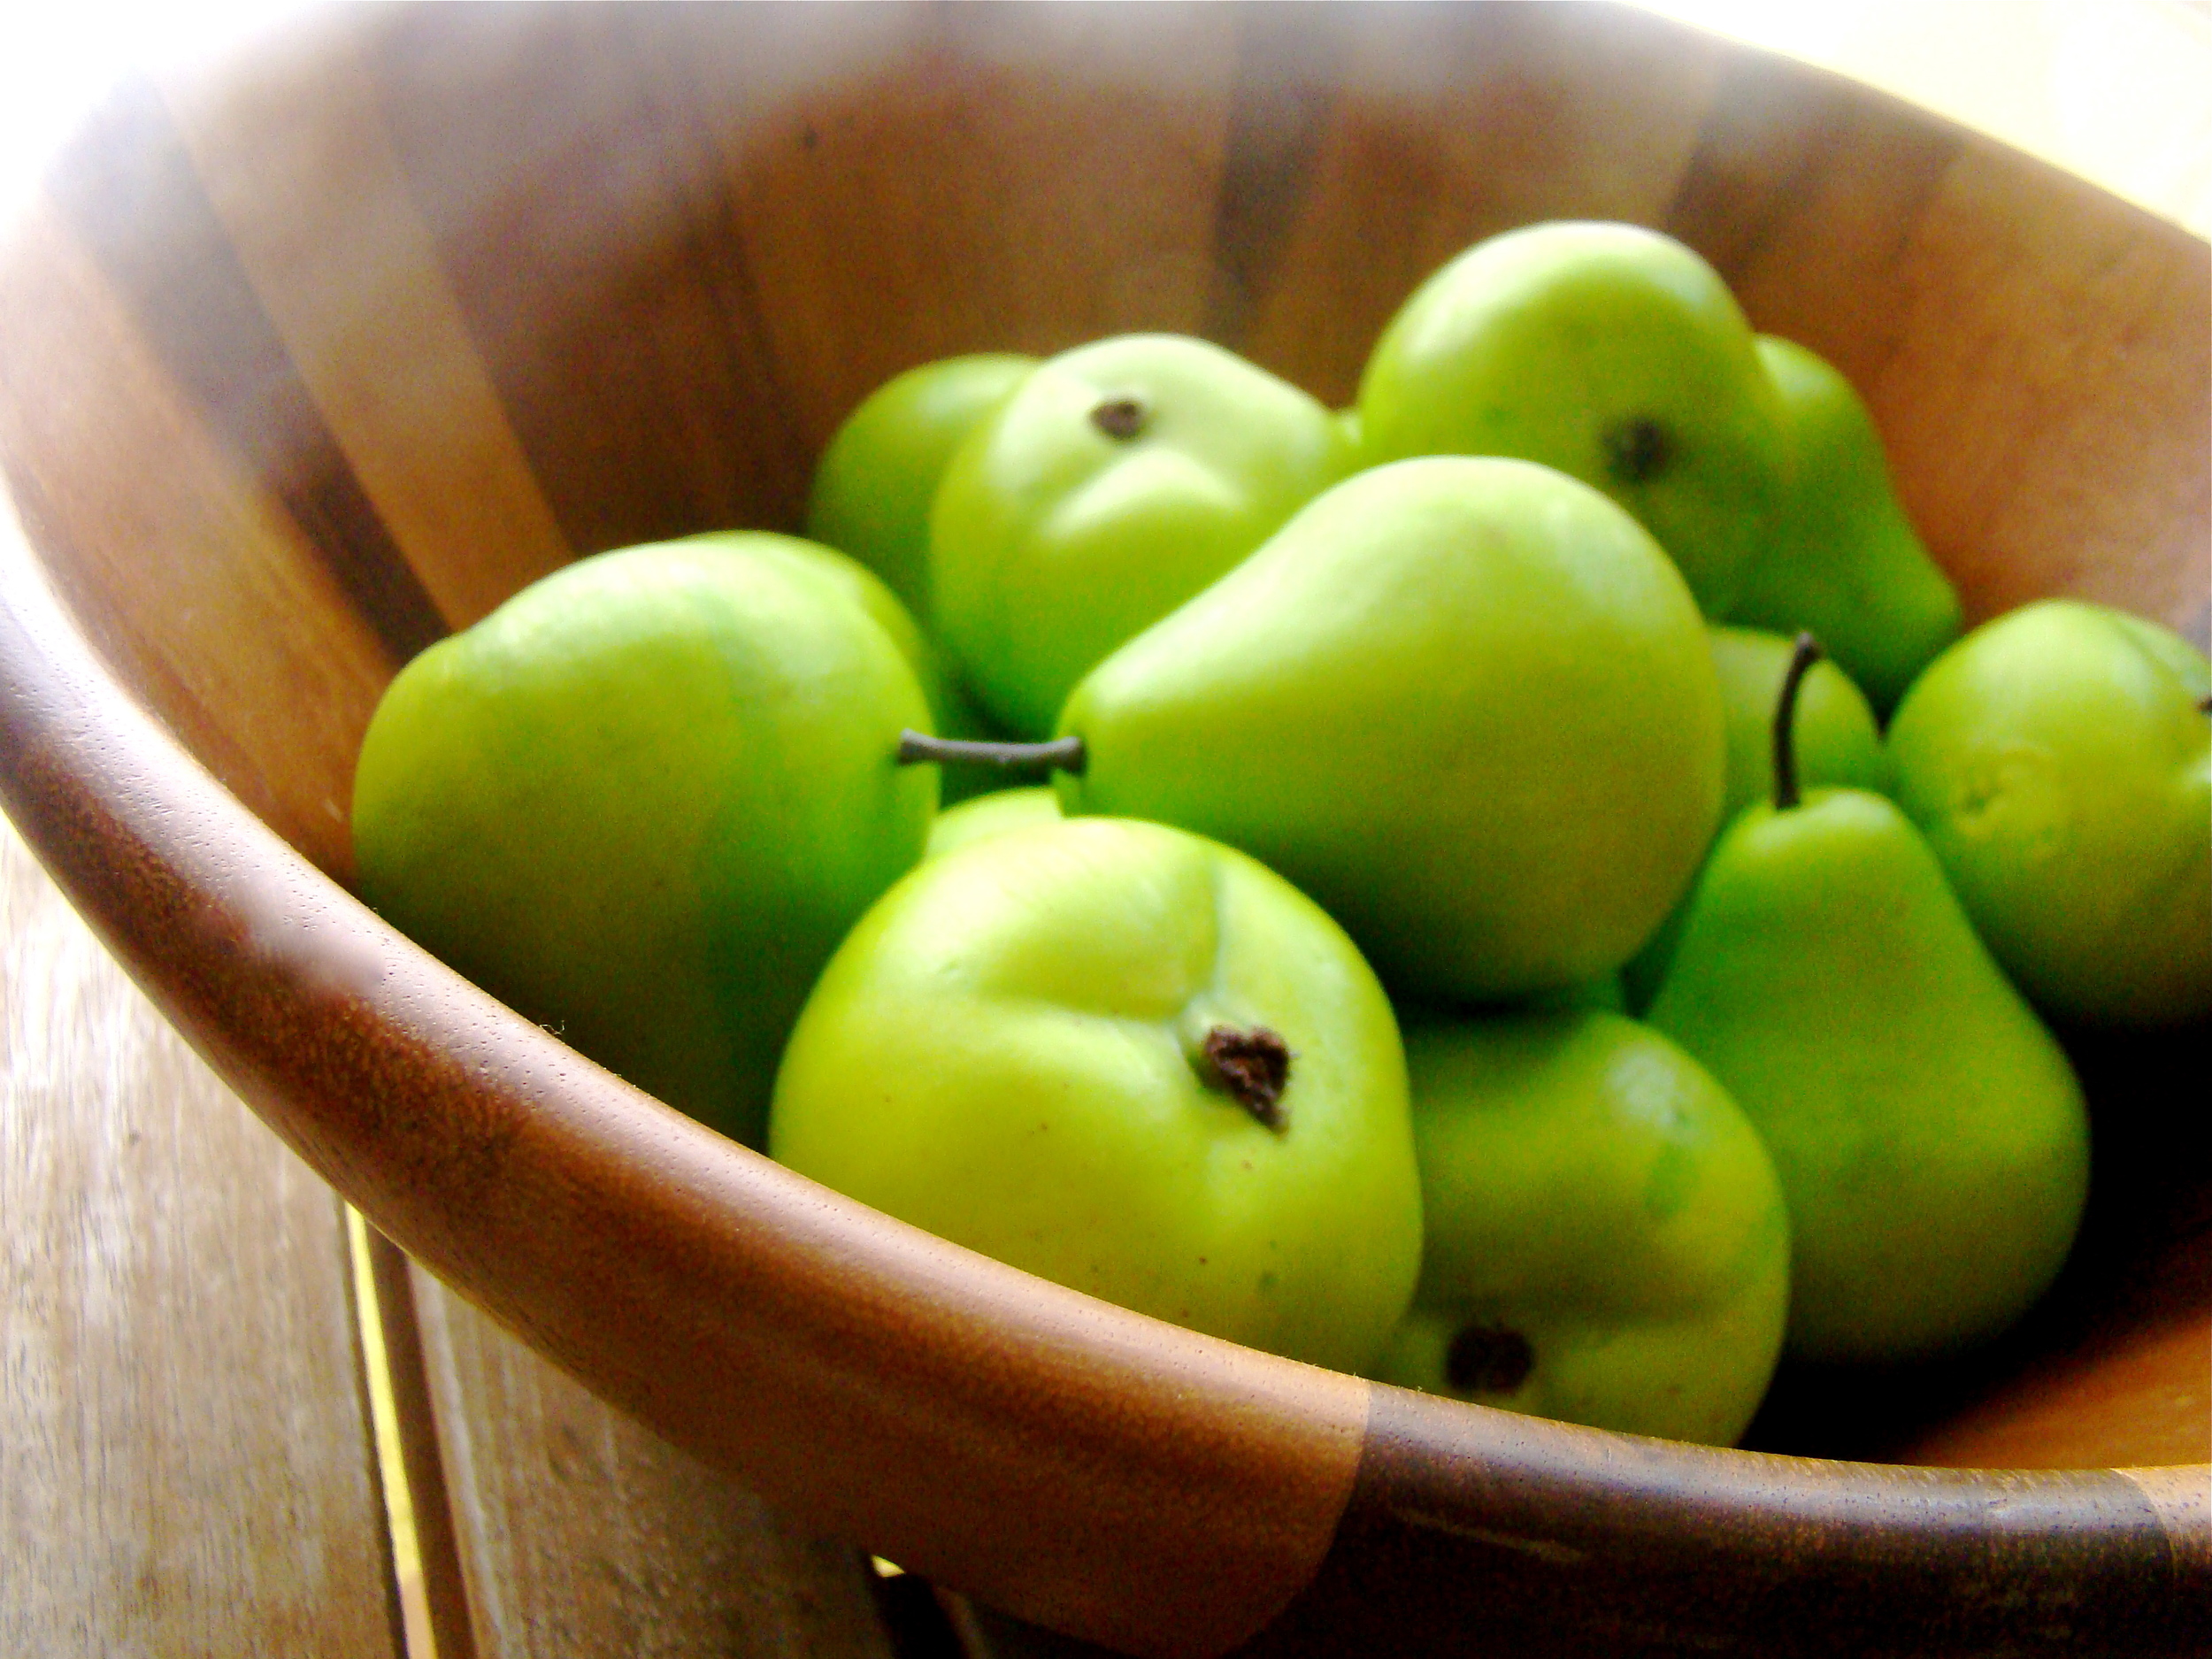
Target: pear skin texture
{"x": 993, "y": 814}
{"x": 1054, "y": 537}
{"x": 1845, "y": 563}
{"x": 873, "y": 486}
{"x": 641, "y": 802}
{"x": 952, "y": 713}
{"x": 1589, "y": 1190}
{"x": 1466, "y": 703}
{"x": 1004, "y": 1054}
{"x": 2061, "y": 766}
{"x": 1836, "y": 742}
{"x": 1929, "y": 1132}
{"x": 1559, "y": 343}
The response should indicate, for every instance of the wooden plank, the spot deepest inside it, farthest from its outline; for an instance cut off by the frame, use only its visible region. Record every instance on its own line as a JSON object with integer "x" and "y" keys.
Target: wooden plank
{"x": 186, "y": 1462}
{"x": 581, "y": 1534}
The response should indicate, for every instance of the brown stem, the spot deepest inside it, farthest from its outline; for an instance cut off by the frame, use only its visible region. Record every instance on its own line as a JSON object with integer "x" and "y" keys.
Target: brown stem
{"x": 1251, "y": 1066}
{"x": 1638, "y": 449}
{"x": 1065, "y": 754}
{"x": 1802, "y": 657}
{"x": 1121, "y": 418}
{"x": 1488, "y": 1359}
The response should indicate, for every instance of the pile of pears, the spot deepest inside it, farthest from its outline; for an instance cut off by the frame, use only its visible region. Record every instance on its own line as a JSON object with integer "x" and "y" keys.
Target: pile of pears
{"x": 1518, "y": 888}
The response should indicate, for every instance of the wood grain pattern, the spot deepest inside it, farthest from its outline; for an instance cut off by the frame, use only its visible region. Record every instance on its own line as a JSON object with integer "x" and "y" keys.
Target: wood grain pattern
{"x": 185, "y": 1464}
{"x": 236, "y": 633}
{"x": 583, "y": 1533}
{"x": 649, "y": 404}
{"x": 347, "y": 271}
{"x": 1029, "y": 199}
{"x": 1452, "y": 123}
{"x": 677, "y": 243}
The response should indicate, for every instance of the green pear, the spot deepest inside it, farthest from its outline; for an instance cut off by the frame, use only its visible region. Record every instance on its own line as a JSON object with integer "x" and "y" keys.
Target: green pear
{"x": 1931, "y": 1137}
{"x": 989, "y": 815}
{"x": 642, "y": 801}
{"x": 1607, "y": 1241}
{"x": 874, "y": 484}
{"x": 1845, "y": 563}
{"x": 1133, "y": 1061}
{"x": 1609, "y": 351}
{"x": 2057, "y": 760}
{"x": 1466, "y": 703}
{"x": 1117, "y": 480}
{"x": 1836, "y": 740}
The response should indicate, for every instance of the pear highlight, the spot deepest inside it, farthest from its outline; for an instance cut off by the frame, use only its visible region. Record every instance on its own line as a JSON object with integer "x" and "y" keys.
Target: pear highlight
{"x": 1466, "y": 703}
{"x": 1929, "y": 1133}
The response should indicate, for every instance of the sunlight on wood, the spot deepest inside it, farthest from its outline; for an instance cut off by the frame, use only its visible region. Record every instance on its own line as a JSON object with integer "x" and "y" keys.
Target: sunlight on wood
{"x": 399, "y": 1507}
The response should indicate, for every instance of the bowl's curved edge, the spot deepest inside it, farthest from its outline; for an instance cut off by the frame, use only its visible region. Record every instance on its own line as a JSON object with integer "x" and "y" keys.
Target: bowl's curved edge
{"x": 1080, "y": 1466}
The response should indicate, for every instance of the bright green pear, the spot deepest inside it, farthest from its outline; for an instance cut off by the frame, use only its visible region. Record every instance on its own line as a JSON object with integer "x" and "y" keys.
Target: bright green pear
{"x": 642, "y": 801}
{"x": 1930, "y": 1134}
{"x": 990, "y": 815}
{"x": 1130, "y": 1061}
{"x": 1118, "y": 480}
{"x": 1837, "y": 743}
{"x": 874, "y": 483}
{"x": 1845, "y": 563}
{"x": 1466, "y": 703}
{"x": 2057, "y": 760}
{"x": 1610, "y": 352}
{"x": 1607, "y": 1241}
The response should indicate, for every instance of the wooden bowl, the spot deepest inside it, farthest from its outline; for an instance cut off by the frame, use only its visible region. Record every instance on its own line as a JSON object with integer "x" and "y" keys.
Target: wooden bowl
{"x": 319, "y": 352}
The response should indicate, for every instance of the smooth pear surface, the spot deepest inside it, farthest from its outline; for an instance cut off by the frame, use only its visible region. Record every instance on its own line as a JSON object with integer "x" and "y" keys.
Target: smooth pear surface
{"x": 1607, "y": 1241}
{"x": 1611, "y": 352}
{"x": 1118, "y": 480}
{"x": 1010, "y": 1051}
{"x": 1845, "y": 563}
{"x": 2058, "y": 760}
{"x": 1930, "y": 1134}
{"x": 642, "y": 801}
{"x": 1834, "y": 738}
{"x": 873, "y": 486}
{"x": 1466, "y": 703}
{"x": 994, "y": 814}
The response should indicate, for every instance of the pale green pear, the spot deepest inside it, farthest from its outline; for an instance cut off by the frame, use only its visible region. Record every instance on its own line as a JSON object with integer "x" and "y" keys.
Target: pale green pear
{"x": 1611, "y": 352}
{"x": 1836, "y": 739}
{"x": 1845, "y": 563}
{"x": 1607, "y": 1241}
{"x": 876, "y": 480}
{"x": 2059, "y": 761}
{"x": 1929, "y": 1132}
{"x": 989, "y": 815}
{"x": 1117, "y": 480}
{"x": 643, "y": 799}
{"x": 1466, "y": 703}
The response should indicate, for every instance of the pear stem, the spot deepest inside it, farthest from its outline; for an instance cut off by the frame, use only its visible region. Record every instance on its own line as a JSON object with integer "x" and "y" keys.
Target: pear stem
{"x": 1251, "y": 1067}
{"x": 1065, "y": 754}
{"x": 1806, "y": 652}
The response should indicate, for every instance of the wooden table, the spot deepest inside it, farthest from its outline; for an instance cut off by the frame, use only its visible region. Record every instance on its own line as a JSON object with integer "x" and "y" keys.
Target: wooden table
{"x": 234, "y": 1422}
{"x": 198, "y": 1331}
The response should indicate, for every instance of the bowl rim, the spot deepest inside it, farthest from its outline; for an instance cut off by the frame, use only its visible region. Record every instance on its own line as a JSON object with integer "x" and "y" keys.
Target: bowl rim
{"x": 1092, "y": 1469}
{"x": 419, "y": 1099}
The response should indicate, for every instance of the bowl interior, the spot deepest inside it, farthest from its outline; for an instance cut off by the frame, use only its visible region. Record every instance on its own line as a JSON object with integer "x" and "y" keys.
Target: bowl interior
{"x": 312, "y": 357}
